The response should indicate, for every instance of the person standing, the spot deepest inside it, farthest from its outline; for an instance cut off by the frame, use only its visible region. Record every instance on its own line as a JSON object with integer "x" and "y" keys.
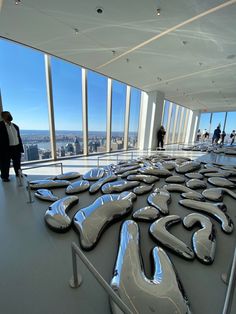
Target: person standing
{"x": 232, "y": 136}
{"x": 223, "y": 135}
{"x": 216, "y": 135}
{"x": 10, "y": 146}
{"x": 199, "y": 134}
{"x": 160, "y": 137}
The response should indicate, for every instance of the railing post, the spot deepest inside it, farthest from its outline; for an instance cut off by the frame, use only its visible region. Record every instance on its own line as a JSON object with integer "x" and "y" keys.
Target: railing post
{"x": 98, "y": 161}
{"x": 61, "y": 168}
{"x": 30, "y": 200}
{"x": 76, "y": 280}
{"x": 117, "y": 158}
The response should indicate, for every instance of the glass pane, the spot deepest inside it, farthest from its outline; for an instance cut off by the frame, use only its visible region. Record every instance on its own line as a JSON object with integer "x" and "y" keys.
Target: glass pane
{"x": 218, "y": 119}
{"x": 204, "y": 123}
{"x": 67, "y": 91}
{"x": 230, "y": 125}
{"x": 23, "y": 89}
{"x": 97, "y": 106}
{"x": 181, "y": 127}
{"x": 134, "y": 117}
{"x": 177, "y": 125}
{"x": 171, "y": 126}
{"x": 165, "y": 114}
{"x": 118, "y": 115}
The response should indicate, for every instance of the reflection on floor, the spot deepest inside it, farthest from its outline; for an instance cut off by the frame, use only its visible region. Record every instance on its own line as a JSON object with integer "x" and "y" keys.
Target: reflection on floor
{"x": 35, "y": 262}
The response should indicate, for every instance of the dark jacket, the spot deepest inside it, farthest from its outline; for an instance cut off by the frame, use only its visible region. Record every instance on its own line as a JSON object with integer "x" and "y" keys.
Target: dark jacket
{"x": 160, "y": 134}
{"x": 217, "y": 133}
{"x": 4, "y": 139}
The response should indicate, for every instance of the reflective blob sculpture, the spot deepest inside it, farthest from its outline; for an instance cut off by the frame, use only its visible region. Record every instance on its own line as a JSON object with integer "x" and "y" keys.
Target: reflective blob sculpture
{"x": 196, "y": 184}
{"x": 160, "y": 200}
{"x": 124, "y": 169}
{"x": 158, "y": 230}
{"x": 109, "y": 176}
{"x": 148, "y": 213}
{"x": 118, "y": 186}
{"x": 45, "y": 195}
{"x": 143, "y": 189}
{"x": 175, "y": 179}
{"x": 129, "y": 172}
{"x": 94, "y": 174}
{"x": 41, "y": 184}
{"x": 217, "y": 174}
{"x": 68, "y": 176}
{"x": 163, "y": 293}
{"x": 155, "y": 171}
{"x": 169, "y": 165}
{"x": 217, "y": 210}
{"x": 216, "y": 194}
{"x": 188, "y": 166}
{"x": 174, "y": 187}
{"x": 56, "y": 216}
{"x": 193, "y": 196}
{"x": 90, "y": 221}
{"x": 212, "y": 169}
{"x": 77, "y": 187}
{"x": 143, "y": 177}
{"x": 221, "y": 182}
{"x": 203, "y": 240}
{"x": 194, "y": 175}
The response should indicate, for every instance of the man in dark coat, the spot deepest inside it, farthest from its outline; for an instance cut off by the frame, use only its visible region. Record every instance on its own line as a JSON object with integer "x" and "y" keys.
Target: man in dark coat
{"x": 10, "y": 146}
{"x": 160, "y": 137}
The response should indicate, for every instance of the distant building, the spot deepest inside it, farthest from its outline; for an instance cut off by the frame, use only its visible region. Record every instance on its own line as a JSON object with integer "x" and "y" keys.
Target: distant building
{"x": 46, "y": 154}
{"x": 69, "y": 148}
{"x": 77, "y": 147}
{"x": 62, "y": 151}
{"x": 31, "y": 152}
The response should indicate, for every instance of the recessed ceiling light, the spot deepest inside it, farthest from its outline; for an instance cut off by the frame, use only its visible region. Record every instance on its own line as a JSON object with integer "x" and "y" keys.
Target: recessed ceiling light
{"x": 231, "y": 56}
{"x": 17, "y": 2}
{"x": 127, "y": 60}
{"x": 113, "y": 52}
{"x": 99, "y": 10}
{"x": 76, "y": 31}
{"x": 200, "y": 63}
{"x": 140, "y": 67}
{"x": 159, "y": 78}
{"x": 184, "y": 42}
{"x": 158, "y": 11}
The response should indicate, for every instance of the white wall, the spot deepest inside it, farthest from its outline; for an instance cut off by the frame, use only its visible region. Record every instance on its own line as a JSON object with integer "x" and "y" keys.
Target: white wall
{"x": 192, "y": 126}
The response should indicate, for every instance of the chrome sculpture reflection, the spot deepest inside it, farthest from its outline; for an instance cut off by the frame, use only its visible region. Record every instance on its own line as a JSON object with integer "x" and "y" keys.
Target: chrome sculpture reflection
{"x": 123, "y": 169}
{"x": 77, "y": 187}
{"x": 94, "y": 174}
{"x": 90, "y": 221}
{"x": 194, "y": 175}
{"x": 169, "y": 165}
{"x": 41, "y": 184}
{"x": 196, "y": 184}
{"x": 109, "y": 176}
{"x": 216, "y": 194}
{"x": 175, "y": 179}
{"x": 68, "y": 176}
{"x": 203, "y": 240}
{"x": 147, "y": 213}
{"x": 46, "y": 195}
{"x": 118, "y": 186}
{"x": 163, "y": 293}
{"x": 217, "y": 211}
{"x": 188, "y": 166}
{"x": 56, "y": 216}
{"x": 174, "y": 187}
{"x": 221, "y": 182}
{"x": 143, "y": 177}
{"x": 129, "y": 172}
{"x": 158, "y": 230}
{"x": 155, "y": 171}
{"x": 160, "y": 200}
{"x": 193, "y": 196}
{"x": 143, "y": 189}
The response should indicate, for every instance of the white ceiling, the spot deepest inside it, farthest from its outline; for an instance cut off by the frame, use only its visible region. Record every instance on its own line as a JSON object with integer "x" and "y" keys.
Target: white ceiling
{"x": 188, "y": 52}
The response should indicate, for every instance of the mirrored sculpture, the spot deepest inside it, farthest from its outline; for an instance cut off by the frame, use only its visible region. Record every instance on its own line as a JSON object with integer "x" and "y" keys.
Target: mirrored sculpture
{"x": 220, "y": 174}
{"x": 174, "y": 187}
{"x": 143, "y": 189}
{"x": 129, "y": 172}
{"x": 147, "y": 213}
{"x": 160, "y": 199}
{"x": 216, "y": 210}
{"x": 194, "y": 175}
{"x": 216, "y": 194}
{"x": 109, "y": 176}
{"x": 155, "y": 171}
{"x": 56, "y": 216}
{"x": 68, "y": 176}
{"x": 221, "y": 182}
{"x": 158, "y": 230}
{"x": 196, "y": 184}
{"x": 203, "y": 240}
{"x": 163, "y": 293}
{"x": 41, "y": 184}
{"x": 119, "y": 186}
{"x": 193, "y": 196}
{"x": 188, "y": 166}
{"x": 94, "y": 174}
{"x": 77, "y": 187}
{"x": 169, "y": 165}
{"x": 46, "y": 195}
{"x": 175, "y": 179}
{"x": 90, "y": 221}
{"x": 143, "y": 177}
{"x": 123, "y": 169}
{"x": 207, "y": 170}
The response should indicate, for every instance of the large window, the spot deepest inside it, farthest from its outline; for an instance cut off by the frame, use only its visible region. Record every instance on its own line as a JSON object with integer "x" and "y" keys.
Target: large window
{"x": 230, "y": 125}
{"x": 165, "y": 113}
{"x": 134, "y": 118}
{"x": 171, "y": 124}
{"x": 97, "y": 103}
{"x": 67, "y": 95}
{"x": 218, "y": 119}
{"x": 204, "y": 123}
{"x": 118, "y": 115}
{"x": 23, "y": 90}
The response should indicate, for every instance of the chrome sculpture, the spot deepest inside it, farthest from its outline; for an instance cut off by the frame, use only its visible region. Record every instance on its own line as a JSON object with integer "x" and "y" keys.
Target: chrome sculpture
{"x": 118, "y": 186}
{"x": 109, "y": 176}
{"x": 175, "y": 179}
{"x": 217, "y": 211}
{"x": 124, "y": 169}
{"x": 194, "y": 175}
{"x": 77, "y": 187}
{"x": 174, "y": 187}
{"x": 127, "y": 173}
{"x": 193, "y": 196}
{"x": 143, "y": 189}
{"x": 196, "y": 184}
{"x": 221, "y": 182}
{"x": 221, "y": 174}
{"x": 41, "y": 184}
{"x": 147, "y": 213}
{"x": 216, "y": 194}
{"x": 68, "y": 176}
{"x": 207, "y": 170}
{"x": 90, "y": 221}
{"x": 94, "y": 174}
{"x": 203, "y": 240}
{"x": 155, "y": 171}
{"x": 163, "y": 293}
{"x": 158, "y": 230}
{"x": 143, "y": 177}
{"x": 46, "y": 195}
{"x": 188, "y": 166}
{"x": 169, "y": 165}
{"x": 56, "y": 216}
{"x": 160, "y": 200}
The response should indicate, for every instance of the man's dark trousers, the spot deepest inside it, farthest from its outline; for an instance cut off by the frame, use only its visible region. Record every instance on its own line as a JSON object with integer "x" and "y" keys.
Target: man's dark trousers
{"x": 13, "y": 154}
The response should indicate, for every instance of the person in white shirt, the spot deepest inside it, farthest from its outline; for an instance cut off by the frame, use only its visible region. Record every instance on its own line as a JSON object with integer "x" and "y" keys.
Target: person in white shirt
{"x": 10, "y": 146}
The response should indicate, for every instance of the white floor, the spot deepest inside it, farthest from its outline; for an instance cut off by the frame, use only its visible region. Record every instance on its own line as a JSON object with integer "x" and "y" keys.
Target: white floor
{"x": 35, "y": 263}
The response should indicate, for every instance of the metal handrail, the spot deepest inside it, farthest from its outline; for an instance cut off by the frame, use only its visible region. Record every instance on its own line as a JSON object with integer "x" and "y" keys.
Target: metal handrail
{"x": 231, "y": 287}
{"x": 76, "y": 280}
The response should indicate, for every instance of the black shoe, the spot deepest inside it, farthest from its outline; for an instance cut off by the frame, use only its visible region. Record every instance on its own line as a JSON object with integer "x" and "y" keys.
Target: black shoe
{"x": 5, "y": 179}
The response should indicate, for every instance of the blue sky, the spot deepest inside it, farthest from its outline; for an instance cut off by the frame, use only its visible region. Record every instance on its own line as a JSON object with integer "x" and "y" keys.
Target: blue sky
{"x": 23, "y": 90}
{"x": 218, "y": 117}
